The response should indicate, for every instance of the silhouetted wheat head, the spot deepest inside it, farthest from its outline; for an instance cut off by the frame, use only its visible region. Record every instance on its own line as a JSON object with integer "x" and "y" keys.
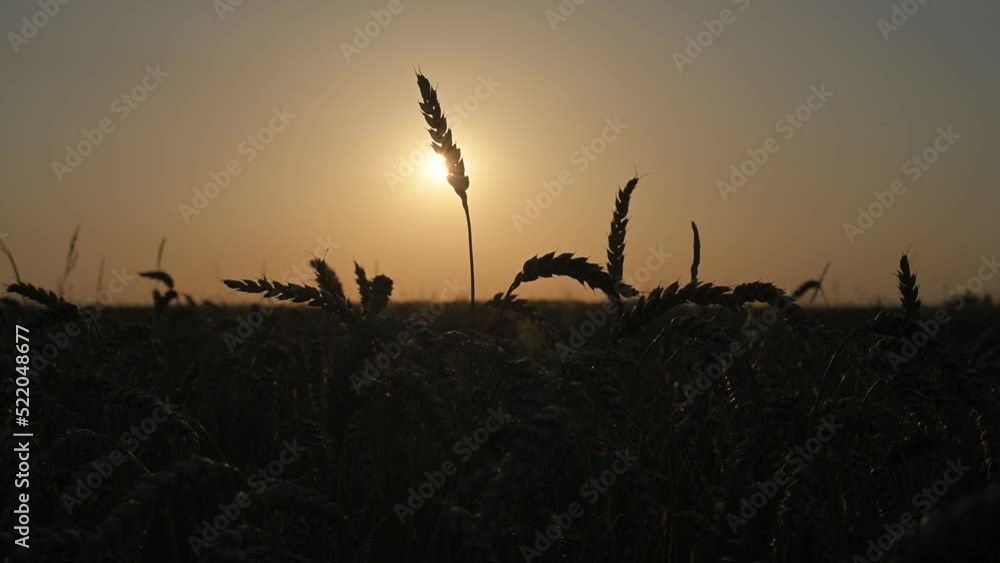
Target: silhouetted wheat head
{"x": 909, "y": 291}
{"x": 443, "y": 145}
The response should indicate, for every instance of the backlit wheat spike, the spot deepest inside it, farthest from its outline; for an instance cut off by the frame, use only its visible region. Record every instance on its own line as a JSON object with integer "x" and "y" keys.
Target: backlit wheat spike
{"x": 775, "y": 297}
{"x": 696, "y": 257}
{"x": 159, "y": 253}
{"x": 909, "y": 291}
{"x": 160, "y": 302}
{"x": 276, "y": 290}
{"x": 619, "y": 225}
{"x": 327, "y": 279}
{"x": 806, "y": 286}
{"x": 296, "y": 294}
{"x": 10, "y": 258}
{"x": 662, "y": 299}
{"x": 443, "y": 145}
{"x": 576, "y": 267}
{"x": 364, "y": 286}
{"x": 44, "y": 297}
{"x": 163, "y": 277}
{"x": 442, "y": 137}
{"x": 379, "y": 291}
{"x": 71, "y": 258}
{"x": 815, "y": 285}
{"x": 756, "y": 292}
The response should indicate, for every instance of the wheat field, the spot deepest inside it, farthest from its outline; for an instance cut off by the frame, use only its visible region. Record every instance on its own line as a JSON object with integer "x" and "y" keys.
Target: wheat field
{"x": 696, "y": 422}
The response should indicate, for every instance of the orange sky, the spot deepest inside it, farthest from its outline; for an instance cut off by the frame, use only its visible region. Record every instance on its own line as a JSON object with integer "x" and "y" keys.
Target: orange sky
{"x": 310, "y": 109}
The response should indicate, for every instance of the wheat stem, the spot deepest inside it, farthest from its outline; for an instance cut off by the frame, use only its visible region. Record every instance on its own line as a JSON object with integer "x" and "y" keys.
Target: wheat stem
{"x": 444, "y": 145}
{"x": 472, "y": 263}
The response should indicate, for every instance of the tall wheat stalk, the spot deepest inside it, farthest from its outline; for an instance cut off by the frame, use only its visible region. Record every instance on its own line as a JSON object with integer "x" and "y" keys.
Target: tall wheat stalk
{"x": 909, "y": 291}
{"x": 10, "y": 258}
{"x": 443, "y": 145}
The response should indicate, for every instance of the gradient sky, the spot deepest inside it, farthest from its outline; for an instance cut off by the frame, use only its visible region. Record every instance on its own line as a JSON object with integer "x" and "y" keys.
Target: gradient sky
{"x": 325, "y": 177}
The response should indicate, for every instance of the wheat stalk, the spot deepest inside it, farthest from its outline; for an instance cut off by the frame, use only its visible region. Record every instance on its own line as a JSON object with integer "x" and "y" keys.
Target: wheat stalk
{"x": 662, "y": 299}
{"x": 909, "y": 291}
{"x": 619, "y": 225}
{"x": 375, "y": 292}
{"x": 71, "y": 258}
{"x": 327, "y": 278}
{"x": 696, "y": 257}
{"x": 443, "y": 145}
{"x": 10, "y": 258}
{"x": 159, "y": 253}
{"x": 815, "y": 285}
{"x": 295, "y": 293}
{"x": 161, "y": 277}
{"x": 50, "y": 299}
{"x": 575, "y": 267}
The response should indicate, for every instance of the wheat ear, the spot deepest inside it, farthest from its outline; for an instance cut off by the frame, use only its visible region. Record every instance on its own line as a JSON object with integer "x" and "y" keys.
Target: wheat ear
{"x": 619, "y": 226}
{"x": 327, "y": 278}
{"x": 444, "y": 146}
{"x": 696, "y": 257}
{"x": 575, "y": 267}
{"x": 296, "y": 294}
{"x": 10, "y": 258}
{"x": 71, "y": 258}
{"x": 909, "y": 291}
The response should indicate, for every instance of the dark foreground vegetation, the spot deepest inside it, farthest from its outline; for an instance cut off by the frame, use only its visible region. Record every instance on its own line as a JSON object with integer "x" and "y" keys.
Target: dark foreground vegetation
{"x": 695, "y": 423}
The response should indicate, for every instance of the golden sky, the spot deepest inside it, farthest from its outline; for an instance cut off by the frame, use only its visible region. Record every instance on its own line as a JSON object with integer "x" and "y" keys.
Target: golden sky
{"x": 307, "y": 111}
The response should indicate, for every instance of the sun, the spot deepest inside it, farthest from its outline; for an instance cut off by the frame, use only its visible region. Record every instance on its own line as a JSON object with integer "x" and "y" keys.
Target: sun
{"x": 438, "y": 167}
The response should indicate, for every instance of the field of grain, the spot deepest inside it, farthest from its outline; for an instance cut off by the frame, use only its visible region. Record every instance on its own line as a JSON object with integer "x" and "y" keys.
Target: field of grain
{"x": 696, "y": 422}
{"x": 754, "y": 429}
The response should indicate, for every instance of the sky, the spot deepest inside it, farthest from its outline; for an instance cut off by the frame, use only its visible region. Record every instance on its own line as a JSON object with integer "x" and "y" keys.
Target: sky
{"x": 253, "y": 135}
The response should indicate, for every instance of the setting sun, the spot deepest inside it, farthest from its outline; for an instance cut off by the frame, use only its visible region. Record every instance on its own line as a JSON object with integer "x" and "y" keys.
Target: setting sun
{"x": 438, "y": 167}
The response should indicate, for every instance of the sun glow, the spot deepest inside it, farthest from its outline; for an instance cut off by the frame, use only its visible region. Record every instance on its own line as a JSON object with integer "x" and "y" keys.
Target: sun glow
{"x": 438, "y": 167}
